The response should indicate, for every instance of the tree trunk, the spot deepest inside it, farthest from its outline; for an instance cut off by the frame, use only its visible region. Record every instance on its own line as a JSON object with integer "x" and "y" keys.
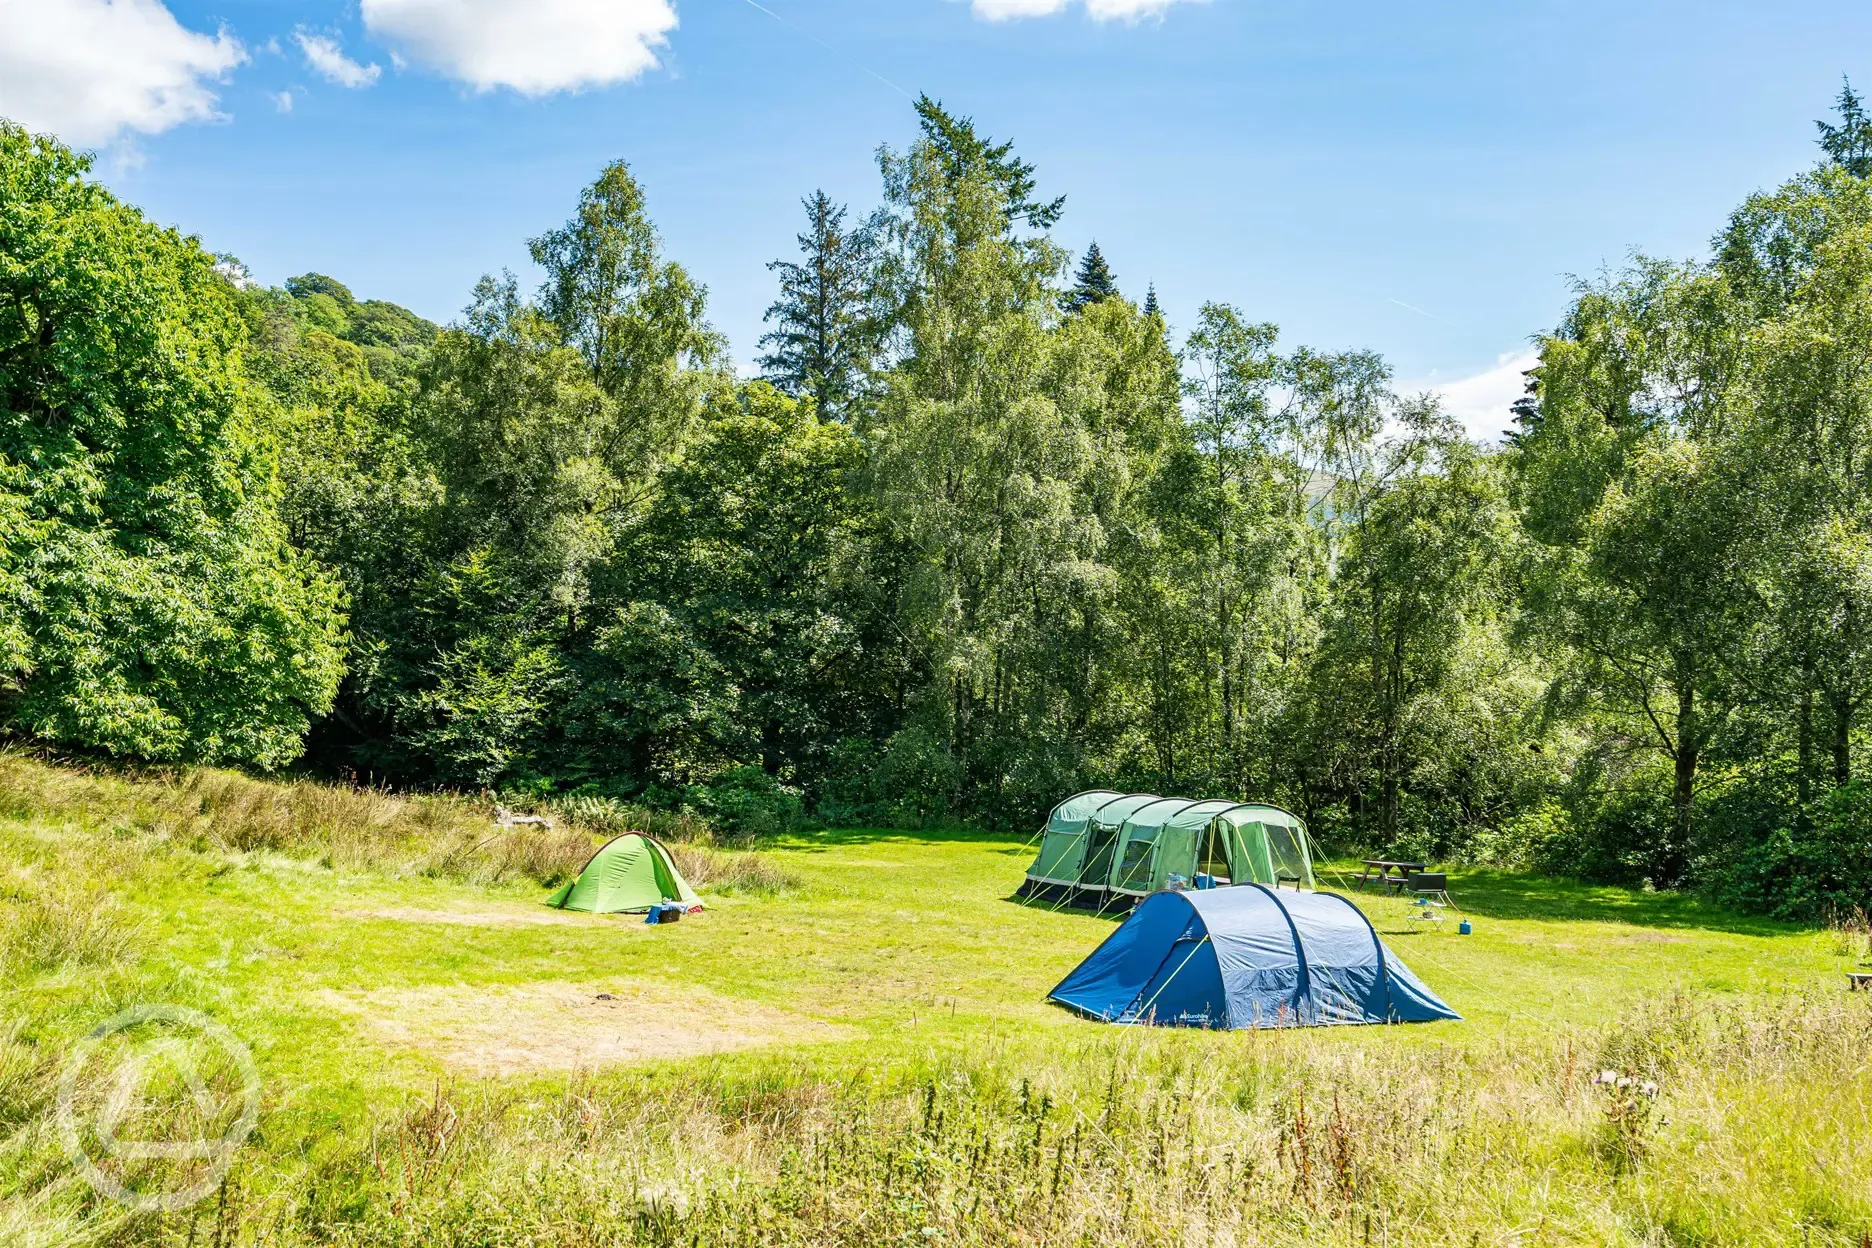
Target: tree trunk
{"x": 1683, "y": 789}
{"x": 1842, "y": 740}
{"x": 770, "y": 746}
{"x": 1388, "y": 805}
{"x": 1803, "y": 781}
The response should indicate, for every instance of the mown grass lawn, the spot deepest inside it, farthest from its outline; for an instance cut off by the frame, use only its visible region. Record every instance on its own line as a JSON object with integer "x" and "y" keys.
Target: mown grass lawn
{"x": 899, "y": 961}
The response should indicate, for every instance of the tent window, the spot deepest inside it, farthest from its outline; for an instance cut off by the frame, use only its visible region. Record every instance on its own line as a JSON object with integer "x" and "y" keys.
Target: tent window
{"x": 1288, "y": 854}
{"x": 1135, "y": 870}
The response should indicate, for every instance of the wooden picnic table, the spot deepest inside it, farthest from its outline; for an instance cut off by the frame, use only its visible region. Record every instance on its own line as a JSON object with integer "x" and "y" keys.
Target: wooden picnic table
{"x": 1389, "y": 873}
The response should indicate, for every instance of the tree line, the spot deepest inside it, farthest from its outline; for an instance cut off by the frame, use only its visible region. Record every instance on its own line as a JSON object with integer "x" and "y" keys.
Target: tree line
{"x": 983, "y": 532}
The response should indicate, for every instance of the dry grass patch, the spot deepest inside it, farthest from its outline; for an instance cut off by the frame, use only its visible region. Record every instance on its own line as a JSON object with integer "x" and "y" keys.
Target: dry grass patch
{"x": 513, "y": 1029}
{"x": 536, "y": 917}
{"x": 439, "y": 835}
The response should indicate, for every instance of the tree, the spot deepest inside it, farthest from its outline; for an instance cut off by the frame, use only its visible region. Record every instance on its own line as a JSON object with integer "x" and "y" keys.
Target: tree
{"x": 1151, "y": 306}
{"x": 753, "y": 553}
{"x": 1094, "y": 282}
{"x": 1417, "y": 601}
{"x": 960, "y": 152}
{"x": 149, "y": 603}
{"x": 1849, "y": 144}
{"x": 1630, "y": 486}
{"x": 828, "y": 332}
{"x": 636, "y": 319}
{"x": 1800, "y": 258}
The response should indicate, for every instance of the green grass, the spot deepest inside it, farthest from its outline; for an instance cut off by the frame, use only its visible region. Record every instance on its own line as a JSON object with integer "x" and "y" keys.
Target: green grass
{"x": 952, "y": 1105}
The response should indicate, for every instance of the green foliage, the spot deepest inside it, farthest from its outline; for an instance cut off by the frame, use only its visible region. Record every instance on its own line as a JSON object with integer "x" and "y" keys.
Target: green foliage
{"x": 984, "y": 536}
{"x": 1094, "y": 283}
{"x": 153, "y": 606}
{"x": 746, "y": 801}
{"x": 394, "y": 340}
{"x": 1849, "y": 144}
{"x": 828, "y": 334}
{"x": 961, "y": 154}
{"x": 1808, "y": 864}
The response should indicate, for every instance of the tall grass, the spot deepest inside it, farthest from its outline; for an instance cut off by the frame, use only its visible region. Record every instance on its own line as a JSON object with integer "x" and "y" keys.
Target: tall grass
{"x": 356, "y": 828}
{"x": 64, "y": 925}
{"x": 1271, "y": 1139}
{"x": 1852, "y": 934}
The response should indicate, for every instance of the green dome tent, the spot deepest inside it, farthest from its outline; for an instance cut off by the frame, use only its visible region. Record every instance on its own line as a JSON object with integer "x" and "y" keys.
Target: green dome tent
{"x": 629, "y": 875}
{"x": 1109, "y": 849}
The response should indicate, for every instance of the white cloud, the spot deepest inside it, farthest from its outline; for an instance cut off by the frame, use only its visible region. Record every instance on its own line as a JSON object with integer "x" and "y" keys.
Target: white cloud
{"x": 88, "y": 70}
{"x": 326, "y": 57}
{"x": 282, "y": 100}
{"x": 535, "y": 47}
{"x": 1480, "y": 401}
{"x": 1100, "y": 10}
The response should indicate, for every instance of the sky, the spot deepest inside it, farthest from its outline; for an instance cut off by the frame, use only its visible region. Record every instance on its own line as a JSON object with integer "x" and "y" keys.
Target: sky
{"x": 1425, "y": 180}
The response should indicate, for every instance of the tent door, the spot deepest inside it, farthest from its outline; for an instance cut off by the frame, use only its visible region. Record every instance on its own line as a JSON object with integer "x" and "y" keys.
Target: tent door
{"x": 1098, "y": 856}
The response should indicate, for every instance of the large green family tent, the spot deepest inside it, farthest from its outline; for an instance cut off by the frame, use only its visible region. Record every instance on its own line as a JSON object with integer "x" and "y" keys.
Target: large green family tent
{"x": 1105, "y": 849}
{"x": 631, "y": 874}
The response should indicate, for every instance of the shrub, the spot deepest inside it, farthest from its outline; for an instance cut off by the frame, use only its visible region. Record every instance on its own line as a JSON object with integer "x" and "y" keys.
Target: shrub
{"x": 611, "y": 817}
{"x": 726, "y": 871}
{"x": 848, "y": 795}
{"x": 1795, "y": 867}
{"x": 746, "y": 801}
{"x": 917, "y": 778}
{"x": 1618, "y": 836}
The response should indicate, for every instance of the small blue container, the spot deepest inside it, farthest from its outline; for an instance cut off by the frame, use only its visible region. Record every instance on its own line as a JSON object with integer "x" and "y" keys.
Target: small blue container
{"x": 1204, "y": 882}
{"x": 1463, "y": 928}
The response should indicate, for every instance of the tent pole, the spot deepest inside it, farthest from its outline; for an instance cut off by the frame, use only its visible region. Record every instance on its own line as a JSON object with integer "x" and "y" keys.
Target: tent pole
{"x": 1143, "y": 1012}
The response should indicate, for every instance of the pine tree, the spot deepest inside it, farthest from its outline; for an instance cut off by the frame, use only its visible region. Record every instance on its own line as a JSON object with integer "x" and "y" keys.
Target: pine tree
{"x": 958, "y": 146}
{"x": 826, "y": 336}
{"x": 1094, "y": 282}
{"x": 1151, "y": 306}
{"x": 1849, "y": 144}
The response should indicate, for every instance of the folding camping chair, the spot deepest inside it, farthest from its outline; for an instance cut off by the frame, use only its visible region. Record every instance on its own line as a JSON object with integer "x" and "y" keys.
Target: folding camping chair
{"x": 1432, "y": 895}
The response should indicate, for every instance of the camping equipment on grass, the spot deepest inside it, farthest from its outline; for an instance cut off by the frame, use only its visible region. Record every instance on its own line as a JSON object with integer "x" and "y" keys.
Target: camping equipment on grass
{"x": 1106, "y": 850}
{"x": 630, "y": 875}
{"x": 1247, "y": 957}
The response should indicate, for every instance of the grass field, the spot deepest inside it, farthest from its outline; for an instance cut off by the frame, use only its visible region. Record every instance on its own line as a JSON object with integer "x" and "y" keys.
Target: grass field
{"x": 852, "y": 1047}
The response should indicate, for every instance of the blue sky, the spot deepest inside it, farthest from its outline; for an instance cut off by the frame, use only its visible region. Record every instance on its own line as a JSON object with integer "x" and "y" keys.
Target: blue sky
{"x": 1419, "y": 179}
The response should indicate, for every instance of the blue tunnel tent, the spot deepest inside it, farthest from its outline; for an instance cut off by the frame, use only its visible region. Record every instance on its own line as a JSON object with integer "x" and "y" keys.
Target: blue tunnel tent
{"x": 1247, "y": 957}
{"x": 1105, "y": 850}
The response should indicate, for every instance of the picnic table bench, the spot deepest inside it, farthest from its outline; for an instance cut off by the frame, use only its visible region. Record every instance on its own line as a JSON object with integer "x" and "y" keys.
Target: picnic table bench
{"x": 1855, "y": 980}
{"x": 1388, "y": 873}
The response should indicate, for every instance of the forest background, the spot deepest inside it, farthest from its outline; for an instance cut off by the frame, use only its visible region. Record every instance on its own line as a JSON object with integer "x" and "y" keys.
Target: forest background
{"x": 982, "y": 533}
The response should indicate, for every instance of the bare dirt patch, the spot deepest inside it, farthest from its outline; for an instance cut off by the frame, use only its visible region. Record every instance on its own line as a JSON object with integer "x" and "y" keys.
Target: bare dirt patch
{"x": 511, "y": 1029}
{"x": 540, "y": 917}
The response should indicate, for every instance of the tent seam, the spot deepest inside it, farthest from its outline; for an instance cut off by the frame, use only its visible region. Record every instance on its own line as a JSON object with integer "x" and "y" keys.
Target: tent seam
{"x": 1306, "y": 973}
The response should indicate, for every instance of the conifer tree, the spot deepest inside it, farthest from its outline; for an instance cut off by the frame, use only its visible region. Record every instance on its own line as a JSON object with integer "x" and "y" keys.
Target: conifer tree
{"x": 1151, "y": 306}
{"x": 955, "y": 143}
{"x": 1093, "y": 283}
{"x": 825, "y": 335}
{"x": 1849, "y": 144}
